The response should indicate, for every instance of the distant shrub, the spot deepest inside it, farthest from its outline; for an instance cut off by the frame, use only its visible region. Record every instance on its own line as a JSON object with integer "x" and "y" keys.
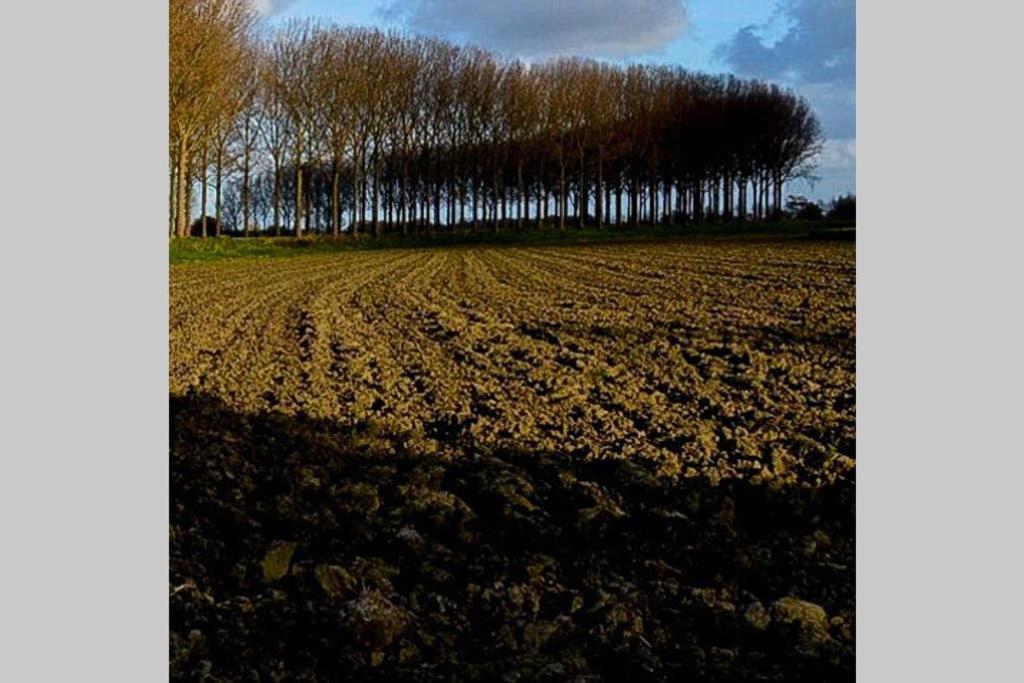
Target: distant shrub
{"x": 803, "y": 209}
{"x": 197, "y": 227}
{"x": 811, "y": 212}
{"x": 843, "y": 208}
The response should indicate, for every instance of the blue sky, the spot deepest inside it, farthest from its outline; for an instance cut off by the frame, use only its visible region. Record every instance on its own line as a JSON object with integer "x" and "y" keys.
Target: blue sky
{"x": 807, "y": 45}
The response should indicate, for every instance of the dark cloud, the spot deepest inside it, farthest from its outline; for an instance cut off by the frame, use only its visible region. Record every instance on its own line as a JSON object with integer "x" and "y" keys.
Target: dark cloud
{"x": 817, "y": 57}
{"x": 818, "y": 47}
{"x": 536, "y": 28}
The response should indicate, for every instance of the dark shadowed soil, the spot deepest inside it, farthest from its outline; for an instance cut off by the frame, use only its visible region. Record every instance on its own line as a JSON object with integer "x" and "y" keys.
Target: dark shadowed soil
{"x": 302, "y": 549}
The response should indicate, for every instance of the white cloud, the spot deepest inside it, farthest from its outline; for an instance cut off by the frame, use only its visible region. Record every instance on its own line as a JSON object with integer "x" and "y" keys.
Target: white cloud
{"x": 839, "y": 154}
{"x": 268, "y": 7}
{"x": 835, "y": 171}
{"x": 538, "y": 28}
{"x": 835, "y": 104}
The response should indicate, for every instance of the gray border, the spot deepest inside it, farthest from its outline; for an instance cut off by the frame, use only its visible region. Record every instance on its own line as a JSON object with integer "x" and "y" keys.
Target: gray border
{"x": 939, "y": 590}
{"x": 84, "y": 484}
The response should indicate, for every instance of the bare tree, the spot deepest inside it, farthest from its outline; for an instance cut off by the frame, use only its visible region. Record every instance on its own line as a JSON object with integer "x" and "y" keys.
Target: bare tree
{"x": 413, "y": 133}
{"x": 207, "y": 39}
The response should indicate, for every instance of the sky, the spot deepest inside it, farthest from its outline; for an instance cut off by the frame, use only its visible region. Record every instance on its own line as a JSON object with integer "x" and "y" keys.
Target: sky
{"x": 806, "y": 45}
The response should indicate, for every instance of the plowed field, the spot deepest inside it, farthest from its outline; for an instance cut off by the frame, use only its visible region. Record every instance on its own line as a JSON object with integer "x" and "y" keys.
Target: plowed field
{"x": 545, "y": 463}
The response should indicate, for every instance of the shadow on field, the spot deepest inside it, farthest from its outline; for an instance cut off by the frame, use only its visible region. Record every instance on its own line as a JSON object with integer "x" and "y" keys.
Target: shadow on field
{"x": 302, "y": 551}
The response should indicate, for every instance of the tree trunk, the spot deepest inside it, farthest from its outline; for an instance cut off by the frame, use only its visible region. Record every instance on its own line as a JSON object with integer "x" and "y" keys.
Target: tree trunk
{"x": 618, "y": 203}
{"x": 541, "y": 196}
{"x": 680, "y": 208}
{"x": 437, "y": 196}
{"x": 404, "y": 196}
{"x": 635, "y": 202}
{"x": 666, "y": 202}
{"x": 307, "y": 201}
{"x": 246, "y": 213}
{"x": 356, "y": 212}
{"x": 563, "y": 200}
{"x": 778, "y": 194}
{"x": 335, "y": 199}
{"x": 202, "y": 193}
{"x": 522, "y": 204}
{"x": 182, "y": 186}
{"x": 541, "y": 209}
{"x": 375, "y": 208}
{"x": 461, "y": 198}
{"x": 503, "y": 197}
{"x": 475, "y": 189}
{"x": 608, "y": 204}
{"x": 172, "y": 208}
{"x": 277, "y": 198}
{"x": 297, "y": 219}
{"x": 216, "y": 190}
{"x": 653, "y": 198}
{"x": 581, "y": 203}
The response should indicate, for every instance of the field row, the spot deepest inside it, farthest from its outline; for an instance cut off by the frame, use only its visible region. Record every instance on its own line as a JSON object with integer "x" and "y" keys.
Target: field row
{"x": 719, "y": 359}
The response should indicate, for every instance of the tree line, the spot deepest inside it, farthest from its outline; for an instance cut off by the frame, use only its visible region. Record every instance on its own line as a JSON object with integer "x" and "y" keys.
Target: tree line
{"x": 317, "y": 127}
{"x": 841, "y": 208}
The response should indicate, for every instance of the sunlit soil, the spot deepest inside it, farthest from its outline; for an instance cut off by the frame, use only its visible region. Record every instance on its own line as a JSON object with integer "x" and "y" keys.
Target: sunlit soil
{"x": 720, "y": 359}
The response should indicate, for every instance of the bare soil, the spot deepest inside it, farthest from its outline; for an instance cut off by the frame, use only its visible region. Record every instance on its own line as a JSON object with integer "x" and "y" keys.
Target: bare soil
{"x": 614, "y": 462}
